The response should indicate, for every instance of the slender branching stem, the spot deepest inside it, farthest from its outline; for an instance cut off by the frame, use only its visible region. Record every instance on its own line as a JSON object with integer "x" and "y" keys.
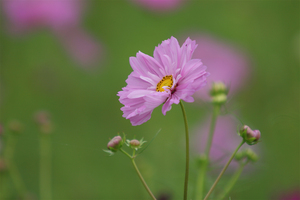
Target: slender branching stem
{"x": 139, "y": 173}
{"x": 187, "y": 152}
{"x": 233, "y": 180}
{"x": 216, "y": 112}
{"x": 13, "y": 171}
{"x": 223, "y": 170}
{"x": 203, "y": 167}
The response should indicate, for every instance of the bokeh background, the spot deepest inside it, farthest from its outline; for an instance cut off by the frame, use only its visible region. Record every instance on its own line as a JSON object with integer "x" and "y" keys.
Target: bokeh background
{"x": 73, "y": 69}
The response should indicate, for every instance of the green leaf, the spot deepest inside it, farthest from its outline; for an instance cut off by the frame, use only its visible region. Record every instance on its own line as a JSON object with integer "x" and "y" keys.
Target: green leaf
{"x": 143, "y": 149}
{"x": 110, "y": 153}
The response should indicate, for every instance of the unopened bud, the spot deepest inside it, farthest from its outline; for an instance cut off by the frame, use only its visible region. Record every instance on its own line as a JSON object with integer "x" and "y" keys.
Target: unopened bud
{"x": 250, "y": 136}
{"x": 42, "y": 118}
{"x": 219, "y": 93}
{"x": 115, "y": 143}
{"x": 218, "y": 88}
{"x": 135, "y": 143}
{"x": 246, "y": 154}
{"x": 251, "y": 155}
{"x": 219, "y": 99}
{"x": 15, "y": 126}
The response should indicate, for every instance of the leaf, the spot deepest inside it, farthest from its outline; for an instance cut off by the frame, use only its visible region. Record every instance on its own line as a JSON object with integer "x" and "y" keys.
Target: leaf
{"x": 143, "y": 149}
{"x": 110, "y": 153}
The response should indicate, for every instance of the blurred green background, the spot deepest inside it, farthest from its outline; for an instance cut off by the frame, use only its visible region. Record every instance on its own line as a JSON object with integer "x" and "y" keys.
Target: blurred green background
{"x": 36, "y": 74}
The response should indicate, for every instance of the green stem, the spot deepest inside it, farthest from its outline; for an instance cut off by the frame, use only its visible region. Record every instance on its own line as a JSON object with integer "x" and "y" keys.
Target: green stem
{"x": 142, "y": 179}
{"x": 12, "y": 169}
{"x": 216, "y": 112}
{"x": 203, "y": 168}
{"x": 200, "y": 180}
{"x": 139, "y": 174}
{"x": 223, "y": 170}
{"x": 16, "y": 177}
{"x": 45, "y": 167}
{"x": 232, "y": 181}
{"x": 187, "y": 152}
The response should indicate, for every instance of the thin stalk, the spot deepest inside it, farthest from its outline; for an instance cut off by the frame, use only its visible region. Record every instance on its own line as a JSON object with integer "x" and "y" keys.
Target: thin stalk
{"x": 203, "y": 168}
{"x": 232, "y": 181}
{"x": 223, "y": 170}
{"x": 139, "y": 173}
{"x": 216, "y": 112}
{"x": 142, "y": 179}
{"x": 45, "y": 167}
{"x": 16, "y": 178}
{"x": 187, "y": 152}
{"x": 200, "y": 180}
{"x": 13, "y": 171}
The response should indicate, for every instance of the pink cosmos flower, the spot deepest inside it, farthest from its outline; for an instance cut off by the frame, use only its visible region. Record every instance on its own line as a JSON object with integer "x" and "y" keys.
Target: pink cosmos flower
{"x": 62, "y": 17}
{"x": 25, "y": 14}
{"x": 167, "y": 78}
{"x": 226, "y": 62}
{"x": 158, "y": 5}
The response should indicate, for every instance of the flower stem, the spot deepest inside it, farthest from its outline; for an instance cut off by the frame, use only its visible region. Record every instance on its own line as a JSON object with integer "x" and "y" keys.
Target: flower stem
{"x": 13, "y": 171}
{"x": 232, "y": 181}
{"x": 45, "y": 167}
{"x": 200, "y": 180}
{"x": 139, "y": 174}
{"x": 223, "y": 170}
{"x": 203, "y": 167}
{"x": 187, "y": 152}
{"x": 142, "y": 179}
{"x": 216, "y": 112}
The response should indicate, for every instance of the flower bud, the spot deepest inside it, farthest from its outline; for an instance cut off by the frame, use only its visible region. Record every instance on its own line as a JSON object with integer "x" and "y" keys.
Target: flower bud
{"x": 218, "y": 88}
{"x": 115, "y": 143}
{"x": 246, "y": 154}
{"x": 251, "y": 155}
{"x": 219, "y": 99}
{"x": 135, "y": 144}
{"x": 251, "y": 137}
{"x": 15, "y": 126}
{"x": 219, "y": 93}
{"x": 42, "y": 118}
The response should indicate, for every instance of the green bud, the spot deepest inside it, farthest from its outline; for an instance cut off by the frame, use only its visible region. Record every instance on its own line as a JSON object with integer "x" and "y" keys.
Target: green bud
{"x": 218, "y": 88}
{"x": 135, "y": 144}
{"x": 219, "y": 93}
{"x": 219, "y": 99}
{"x": 246, "y": 154}
{"x": 202, "y": 160}
{"x": 251, "y": 155}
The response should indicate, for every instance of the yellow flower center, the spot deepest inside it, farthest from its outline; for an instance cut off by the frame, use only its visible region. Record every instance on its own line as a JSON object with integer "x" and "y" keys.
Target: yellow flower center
{"x": 165, "y": 81}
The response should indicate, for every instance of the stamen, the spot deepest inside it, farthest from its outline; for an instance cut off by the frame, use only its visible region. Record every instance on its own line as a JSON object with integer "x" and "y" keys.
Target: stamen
{"x": 165, "y": 81}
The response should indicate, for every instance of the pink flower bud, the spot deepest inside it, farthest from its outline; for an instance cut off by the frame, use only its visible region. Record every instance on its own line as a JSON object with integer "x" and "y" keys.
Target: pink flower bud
{"x": 134, "y": 143}
{"x": 115, "y": 143}
{"x": 15, "y": 126}
{"x": 251, "y": 137}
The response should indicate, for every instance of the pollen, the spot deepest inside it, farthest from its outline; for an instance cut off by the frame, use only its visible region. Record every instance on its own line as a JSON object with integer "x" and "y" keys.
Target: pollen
{"x": 165, "y": 81}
